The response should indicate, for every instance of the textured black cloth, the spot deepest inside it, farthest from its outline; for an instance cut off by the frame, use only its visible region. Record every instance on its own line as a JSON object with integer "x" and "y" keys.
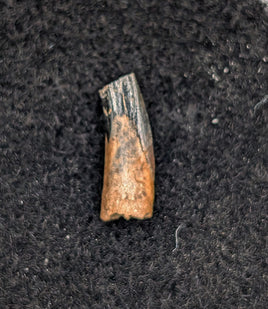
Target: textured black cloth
{"x": 202, "y": 68}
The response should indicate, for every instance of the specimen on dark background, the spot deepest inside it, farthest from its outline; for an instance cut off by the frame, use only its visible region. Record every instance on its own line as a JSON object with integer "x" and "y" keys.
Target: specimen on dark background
{"x": 202, "y": 69}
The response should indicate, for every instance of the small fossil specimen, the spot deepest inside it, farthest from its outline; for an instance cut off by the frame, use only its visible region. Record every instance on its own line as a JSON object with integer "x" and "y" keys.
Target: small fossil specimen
{"x": 128, "y": 185}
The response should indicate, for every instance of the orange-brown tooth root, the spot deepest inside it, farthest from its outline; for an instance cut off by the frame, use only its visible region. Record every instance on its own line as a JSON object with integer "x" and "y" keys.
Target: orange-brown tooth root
{"x": 128, "y": 184}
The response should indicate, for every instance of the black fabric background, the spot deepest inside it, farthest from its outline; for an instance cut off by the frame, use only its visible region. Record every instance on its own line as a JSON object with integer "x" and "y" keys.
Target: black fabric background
{"x": 202, "y": 68}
